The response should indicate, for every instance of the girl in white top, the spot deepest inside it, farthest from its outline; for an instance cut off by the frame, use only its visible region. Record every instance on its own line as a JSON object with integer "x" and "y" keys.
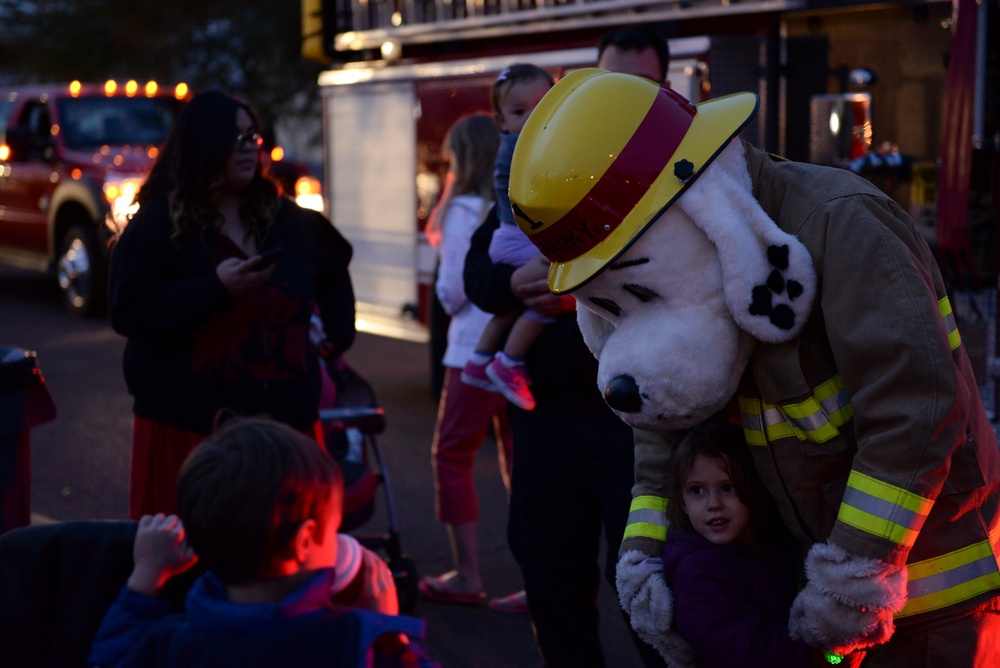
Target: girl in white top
{"x": 465, "y": 413}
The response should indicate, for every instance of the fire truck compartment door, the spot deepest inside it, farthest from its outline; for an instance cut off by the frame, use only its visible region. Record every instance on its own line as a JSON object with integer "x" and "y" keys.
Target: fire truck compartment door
{"x": 371, "y": 149}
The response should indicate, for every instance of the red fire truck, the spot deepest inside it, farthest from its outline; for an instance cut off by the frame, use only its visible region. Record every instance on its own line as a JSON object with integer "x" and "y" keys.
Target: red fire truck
{"x": 72, "y": 156}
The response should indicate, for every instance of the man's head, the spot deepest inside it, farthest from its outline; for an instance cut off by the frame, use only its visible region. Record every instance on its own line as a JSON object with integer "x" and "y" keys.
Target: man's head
{"x": 257, "y": 497}
{"x": 635, "y": 50}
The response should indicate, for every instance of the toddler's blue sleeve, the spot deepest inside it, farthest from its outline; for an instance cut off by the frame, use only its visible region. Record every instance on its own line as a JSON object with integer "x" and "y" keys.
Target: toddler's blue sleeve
{"x": 501, "y": 178}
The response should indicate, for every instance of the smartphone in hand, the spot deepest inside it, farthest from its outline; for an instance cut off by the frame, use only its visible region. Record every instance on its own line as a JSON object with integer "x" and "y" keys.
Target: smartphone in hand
{"x": 268, "y": 257}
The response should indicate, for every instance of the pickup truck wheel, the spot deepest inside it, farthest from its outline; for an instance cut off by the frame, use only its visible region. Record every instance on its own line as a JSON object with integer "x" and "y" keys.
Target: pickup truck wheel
{"x": 82, "y": 272}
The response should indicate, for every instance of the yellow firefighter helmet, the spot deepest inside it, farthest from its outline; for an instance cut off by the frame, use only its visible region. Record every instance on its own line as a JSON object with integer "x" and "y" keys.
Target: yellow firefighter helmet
{"x": 602, "y": 156}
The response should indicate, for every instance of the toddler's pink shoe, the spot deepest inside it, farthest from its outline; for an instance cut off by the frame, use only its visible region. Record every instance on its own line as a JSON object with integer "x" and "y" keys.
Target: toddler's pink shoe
{"x": 512, "y": 382}
{"x": 475, "y": 375}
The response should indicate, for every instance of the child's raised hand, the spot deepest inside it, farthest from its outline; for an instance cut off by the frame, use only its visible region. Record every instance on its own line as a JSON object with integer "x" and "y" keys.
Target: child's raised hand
{"x": 159, "y": 553}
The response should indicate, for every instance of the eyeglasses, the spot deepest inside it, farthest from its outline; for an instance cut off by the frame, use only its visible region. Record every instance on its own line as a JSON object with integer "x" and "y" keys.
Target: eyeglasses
{"x": 252, "y": 138}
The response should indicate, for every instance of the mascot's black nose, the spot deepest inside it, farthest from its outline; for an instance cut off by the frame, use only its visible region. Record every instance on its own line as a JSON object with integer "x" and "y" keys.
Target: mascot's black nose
{"x": 622, "y": 394}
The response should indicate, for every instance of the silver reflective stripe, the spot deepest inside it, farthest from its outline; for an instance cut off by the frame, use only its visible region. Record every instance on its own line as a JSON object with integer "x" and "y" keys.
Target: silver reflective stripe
{"x": 810, "y": 423}
{"x": 886, "y": 510}
{"x": 773, "y": 416}
{"x": 647, "y": 516}
{"x": 835, "y": 402}
{"x": 939, "y": 582}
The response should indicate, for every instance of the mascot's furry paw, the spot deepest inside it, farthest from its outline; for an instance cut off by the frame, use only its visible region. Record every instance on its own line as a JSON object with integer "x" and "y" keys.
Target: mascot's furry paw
{"x": 643, "y": 594}
{"x": 848, "y": 601}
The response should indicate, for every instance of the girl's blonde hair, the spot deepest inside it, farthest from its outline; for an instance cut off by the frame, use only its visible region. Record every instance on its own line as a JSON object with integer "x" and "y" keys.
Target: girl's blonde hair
{"x": 471, "y": 148}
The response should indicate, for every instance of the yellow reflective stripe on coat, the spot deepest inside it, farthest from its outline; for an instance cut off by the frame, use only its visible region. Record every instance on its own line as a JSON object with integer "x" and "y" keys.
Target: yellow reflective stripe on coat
{"x": 647, "y": 518}
{"x": 883, "y": 510}
{"x": 816, "y": 419}
{"x": 952, "y": 578}
{"x": 954, "y": 338}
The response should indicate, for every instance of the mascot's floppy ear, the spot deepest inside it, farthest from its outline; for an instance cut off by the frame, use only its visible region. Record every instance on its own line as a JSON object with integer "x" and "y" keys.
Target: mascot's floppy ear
{"x": 768, "y": 277}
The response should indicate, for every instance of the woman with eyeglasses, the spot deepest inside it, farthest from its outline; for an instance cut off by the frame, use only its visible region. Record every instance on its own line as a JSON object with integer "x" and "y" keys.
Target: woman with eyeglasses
{"x": 215, "y": 283}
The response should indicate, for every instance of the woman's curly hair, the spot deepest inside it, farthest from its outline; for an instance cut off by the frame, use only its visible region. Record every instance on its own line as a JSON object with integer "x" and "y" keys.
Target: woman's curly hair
{"x": 190, "y": 169}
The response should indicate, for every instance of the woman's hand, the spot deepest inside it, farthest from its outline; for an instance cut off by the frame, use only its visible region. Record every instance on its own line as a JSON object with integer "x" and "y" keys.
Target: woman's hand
{"x": 160, "y": 552}
{"x": 240, "y": 277}
{"x": 530, "y": 284}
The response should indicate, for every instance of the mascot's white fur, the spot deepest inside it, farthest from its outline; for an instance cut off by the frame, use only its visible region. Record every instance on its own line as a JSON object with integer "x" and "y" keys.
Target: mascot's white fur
{"x": 680, "y": 293}
{"x": 703, "y": 259}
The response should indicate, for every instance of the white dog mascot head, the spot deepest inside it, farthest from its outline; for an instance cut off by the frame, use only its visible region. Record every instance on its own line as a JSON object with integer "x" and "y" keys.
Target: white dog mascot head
{"x": 674, "y": 297}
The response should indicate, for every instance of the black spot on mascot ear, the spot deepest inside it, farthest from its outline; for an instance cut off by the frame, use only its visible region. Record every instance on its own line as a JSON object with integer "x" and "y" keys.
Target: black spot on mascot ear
{"x": 761, "y": 303}
{"x": 783, "y": 317}
{"x": 794, "y": 289}
{"x": 778, "y": 256}
{"x": 776, "y": 282}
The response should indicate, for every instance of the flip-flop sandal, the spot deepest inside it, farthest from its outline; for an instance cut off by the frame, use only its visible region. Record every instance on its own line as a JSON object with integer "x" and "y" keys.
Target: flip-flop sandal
{"x": 436, "y": 589}
{"x": 512, "y": 604}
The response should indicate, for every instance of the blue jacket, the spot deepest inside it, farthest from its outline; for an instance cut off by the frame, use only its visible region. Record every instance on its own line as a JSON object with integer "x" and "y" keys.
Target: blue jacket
{"x": 305, "y": 629}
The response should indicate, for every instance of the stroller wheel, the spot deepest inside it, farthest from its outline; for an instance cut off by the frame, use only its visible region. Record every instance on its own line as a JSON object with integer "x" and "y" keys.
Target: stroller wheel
{"x": 404, "y": 572}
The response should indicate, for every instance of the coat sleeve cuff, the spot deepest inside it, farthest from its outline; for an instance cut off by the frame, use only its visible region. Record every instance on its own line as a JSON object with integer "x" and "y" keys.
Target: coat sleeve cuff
{"x": 867, "y": 545}
{"x": 648, "y": 546}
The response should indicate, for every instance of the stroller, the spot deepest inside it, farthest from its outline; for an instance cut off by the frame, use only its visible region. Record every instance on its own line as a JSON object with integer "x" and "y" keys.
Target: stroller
{"x": 351, "y": 419}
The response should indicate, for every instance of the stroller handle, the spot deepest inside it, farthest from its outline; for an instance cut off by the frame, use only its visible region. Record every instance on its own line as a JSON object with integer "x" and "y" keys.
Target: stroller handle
{"x": 365, "y": 418}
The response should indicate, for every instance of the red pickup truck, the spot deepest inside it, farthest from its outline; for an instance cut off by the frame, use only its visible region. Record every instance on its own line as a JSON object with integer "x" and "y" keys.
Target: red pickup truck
{"x": 71, "y": 158}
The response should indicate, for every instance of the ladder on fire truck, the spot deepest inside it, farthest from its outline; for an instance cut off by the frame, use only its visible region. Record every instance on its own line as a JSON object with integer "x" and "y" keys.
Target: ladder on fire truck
{"x": 388, "y": 25}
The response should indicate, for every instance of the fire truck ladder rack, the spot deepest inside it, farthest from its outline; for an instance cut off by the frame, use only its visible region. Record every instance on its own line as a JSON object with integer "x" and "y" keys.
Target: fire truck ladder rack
{"x": 368, "y": 24}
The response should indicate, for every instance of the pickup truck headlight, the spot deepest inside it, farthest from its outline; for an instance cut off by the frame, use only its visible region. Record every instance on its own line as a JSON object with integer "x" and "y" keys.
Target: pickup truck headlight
{"x": 120, "y": 193}
{"x": 309, "y": 193}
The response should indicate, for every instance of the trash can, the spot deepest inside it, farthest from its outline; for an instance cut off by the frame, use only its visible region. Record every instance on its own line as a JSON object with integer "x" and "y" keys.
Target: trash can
{"x": 24, "y": 402}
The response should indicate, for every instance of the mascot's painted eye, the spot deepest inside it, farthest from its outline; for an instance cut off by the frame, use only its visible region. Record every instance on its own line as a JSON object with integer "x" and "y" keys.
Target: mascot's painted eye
{"x": 642, "y": 293}
{"x": 607, "y": 305}
{"x": 625, "y": 264}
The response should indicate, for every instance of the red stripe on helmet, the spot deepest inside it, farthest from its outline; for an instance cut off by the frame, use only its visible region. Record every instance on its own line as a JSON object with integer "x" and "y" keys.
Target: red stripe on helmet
{"x": 621, "y": 187}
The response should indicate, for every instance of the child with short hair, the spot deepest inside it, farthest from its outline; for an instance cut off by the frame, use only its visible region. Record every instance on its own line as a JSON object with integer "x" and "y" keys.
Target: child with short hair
{"x": 517, "y": 91}
{"x": 260, "y": 505}
{"x": 733, "y": 586}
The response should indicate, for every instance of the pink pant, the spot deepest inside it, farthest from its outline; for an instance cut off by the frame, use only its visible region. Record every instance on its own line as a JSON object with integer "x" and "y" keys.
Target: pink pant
{"x": 464, "y": 415}
{"x": 158, "y": 451}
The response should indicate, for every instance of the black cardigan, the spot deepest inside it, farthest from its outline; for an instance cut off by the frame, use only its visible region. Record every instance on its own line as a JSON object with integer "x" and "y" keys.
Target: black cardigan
{"x": 167, "y": 299}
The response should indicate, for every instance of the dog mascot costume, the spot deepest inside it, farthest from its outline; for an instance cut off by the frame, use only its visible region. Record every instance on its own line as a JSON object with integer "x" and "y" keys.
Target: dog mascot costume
{"x": 712, "y": 277}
